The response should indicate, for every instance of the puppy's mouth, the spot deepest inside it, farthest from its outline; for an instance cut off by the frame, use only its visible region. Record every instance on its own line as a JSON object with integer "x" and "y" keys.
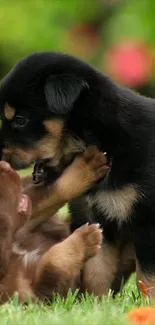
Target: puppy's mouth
{"x": 59, "y": 155}
{"x": 24, "y": 160}
{"x": 19, "y": 158}
{"x": 48, "y": 170}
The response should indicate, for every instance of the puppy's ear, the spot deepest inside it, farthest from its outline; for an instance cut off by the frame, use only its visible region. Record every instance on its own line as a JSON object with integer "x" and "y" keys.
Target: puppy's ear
{"x": 61, "y": 91}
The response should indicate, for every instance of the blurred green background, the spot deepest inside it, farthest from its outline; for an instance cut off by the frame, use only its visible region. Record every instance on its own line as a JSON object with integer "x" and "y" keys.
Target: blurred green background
{"x": 117, "y": 36}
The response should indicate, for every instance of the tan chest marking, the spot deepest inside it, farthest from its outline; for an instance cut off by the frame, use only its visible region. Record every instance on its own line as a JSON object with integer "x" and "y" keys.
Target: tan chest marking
{"x": 117, "y": 204}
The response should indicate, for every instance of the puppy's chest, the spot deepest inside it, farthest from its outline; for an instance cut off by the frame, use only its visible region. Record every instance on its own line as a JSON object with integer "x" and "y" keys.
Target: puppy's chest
{"x": 115, "y": 204}
{"x": 28, "y": 257}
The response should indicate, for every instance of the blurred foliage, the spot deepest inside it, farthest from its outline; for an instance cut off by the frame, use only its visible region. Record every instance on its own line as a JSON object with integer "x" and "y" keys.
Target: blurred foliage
{"x": 27, "y": 26}
{"x": 117, "y": 36}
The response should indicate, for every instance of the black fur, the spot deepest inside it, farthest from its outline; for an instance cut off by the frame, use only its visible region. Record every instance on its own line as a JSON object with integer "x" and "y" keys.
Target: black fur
{"x": 44, "y": 173}
{"x": 98, "y": 111}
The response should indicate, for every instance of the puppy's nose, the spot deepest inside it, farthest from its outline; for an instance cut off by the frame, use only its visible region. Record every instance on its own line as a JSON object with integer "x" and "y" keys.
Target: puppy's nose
{"x": 5, "y": 165}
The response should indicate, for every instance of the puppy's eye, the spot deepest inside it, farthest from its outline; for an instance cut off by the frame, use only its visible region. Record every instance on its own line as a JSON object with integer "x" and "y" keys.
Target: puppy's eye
{"x": 19, "y": 121}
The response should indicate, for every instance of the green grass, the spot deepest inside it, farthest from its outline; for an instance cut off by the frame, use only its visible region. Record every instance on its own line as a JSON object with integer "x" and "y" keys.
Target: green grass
{"x": 87, "y": 311}
{"x": 73, "y": 312}
{"x": 25, "y": 172}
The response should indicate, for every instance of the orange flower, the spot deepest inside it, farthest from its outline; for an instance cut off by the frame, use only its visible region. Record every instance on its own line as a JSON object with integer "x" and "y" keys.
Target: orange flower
{"x": 143, "y": 288}
{"x": 142, "y": 315}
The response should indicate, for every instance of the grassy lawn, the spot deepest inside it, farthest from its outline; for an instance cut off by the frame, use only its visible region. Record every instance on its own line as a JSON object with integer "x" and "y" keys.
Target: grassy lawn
{"x": 72, "y": 312}
{"x": 87, "y": 311}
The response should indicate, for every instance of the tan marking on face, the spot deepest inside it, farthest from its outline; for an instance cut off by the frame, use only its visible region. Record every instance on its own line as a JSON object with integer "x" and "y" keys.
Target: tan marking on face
{"x": 9, "y": 112}
{"x": 50, "y": 145}
{"x": 54, "y": 127}
{"x": 55, "y": 145}
{"x": 46, "y": 148}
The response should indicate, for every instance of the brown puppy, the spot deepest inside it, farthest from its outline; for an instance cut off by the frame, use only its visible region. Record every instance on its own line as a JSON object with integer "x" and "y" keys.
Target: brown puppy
{"x": 47, "y": 260}
{"x": 41, "y": 195}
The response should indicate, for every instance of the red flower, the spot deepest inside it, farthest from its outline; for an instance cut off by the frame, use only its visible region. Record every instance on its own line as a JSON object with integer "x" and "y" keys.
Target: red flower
{"x": 129, "y": 63}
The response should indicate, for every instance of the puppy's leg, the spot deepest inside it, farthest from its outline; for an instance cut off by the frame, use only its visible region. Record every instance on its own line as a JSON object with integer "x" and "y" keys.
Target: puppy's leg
{"x": 127, "y": 265}
{"x": 6, "y": 238}
{"x": 60, "y": 267}
{"x": 9, "y": 198}
{"x": 99, "y": 271}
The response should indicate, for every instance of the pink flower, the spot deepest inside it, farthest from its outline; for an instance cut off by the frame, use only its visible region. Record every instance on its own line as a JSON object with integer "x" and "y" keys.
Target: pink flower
{"x": 129, "y": 63}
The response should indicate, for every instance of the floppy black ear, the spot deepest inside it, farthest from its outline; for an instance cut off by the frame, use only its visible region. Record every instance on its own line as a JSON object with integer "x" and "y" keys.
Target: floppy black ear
{"x": 61, "y": 91}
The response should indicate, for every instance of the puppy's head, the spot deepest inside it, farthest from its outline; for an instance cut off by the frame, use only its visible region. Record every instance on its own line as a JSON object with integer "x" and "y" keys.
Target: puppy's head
{"x": 36, "y": 100}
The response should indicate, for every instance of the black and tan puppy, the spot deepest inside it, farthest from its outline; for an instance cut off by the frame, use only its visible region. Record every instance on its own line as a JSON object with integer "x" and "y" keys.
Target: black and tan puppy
{"x": 52, "y": 107}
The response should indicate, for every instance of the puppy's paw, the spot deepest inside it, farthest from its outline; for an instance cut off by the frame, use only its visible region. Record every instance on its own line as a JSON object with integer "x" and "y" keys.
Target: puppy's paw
{"x": 97, "y": 162}
{"x": 10, "y": 186}
{"x": 85, "y": 170}
{"x": 7, "y": 174}
{"x": 91, "y": 237}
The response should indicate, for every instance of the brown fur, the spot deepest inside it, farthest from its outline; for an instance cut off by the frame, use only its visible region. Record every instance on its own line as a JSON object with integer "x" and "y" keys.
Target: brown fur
{"x": 109, "y": 269}
{"x": 65, "y": 260}
{"x": 36, "y": 266}
{"x": 52, "y": 269}
{"x": 100, "y": 271}
{"x": 52, "y": 140}
{"x": 8, "y": 225}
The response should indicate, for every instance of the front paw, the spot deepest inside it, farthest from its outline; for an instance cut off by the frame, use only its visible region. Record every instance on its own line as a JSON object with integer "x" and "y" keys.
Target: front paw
{"x": 91, "y": 237}
{"x": 97, "y": 162}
